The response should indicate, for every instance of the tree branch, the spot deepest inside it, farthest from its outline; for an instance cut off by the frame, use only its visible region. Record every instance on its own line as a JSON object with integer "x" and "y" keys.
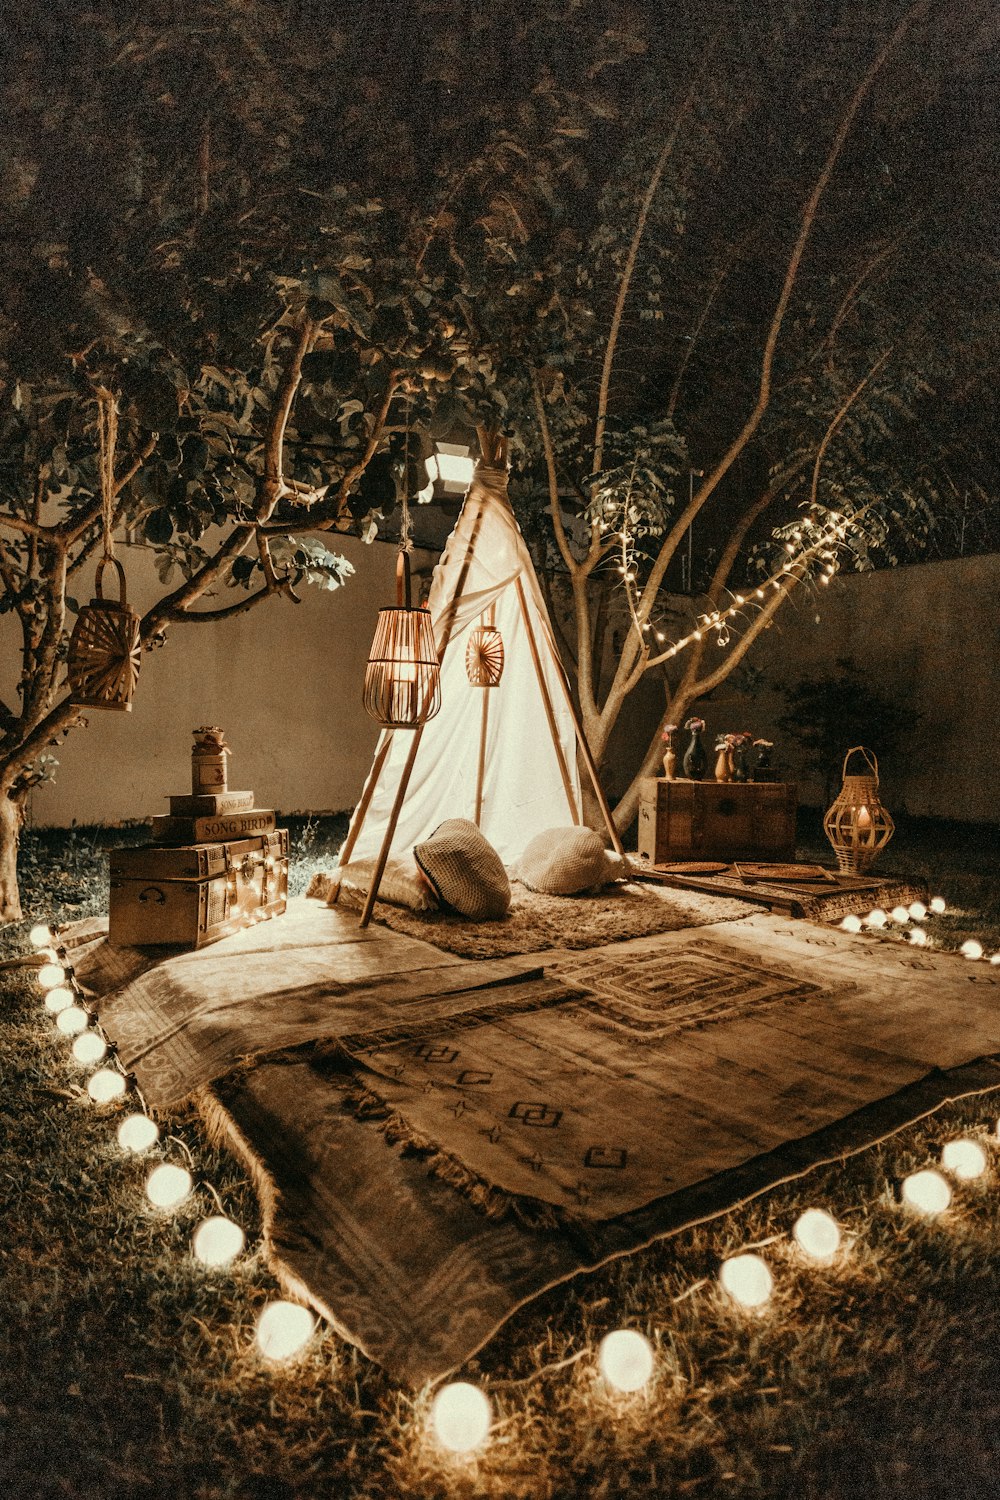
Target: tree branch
{"x": 272, "y": 486}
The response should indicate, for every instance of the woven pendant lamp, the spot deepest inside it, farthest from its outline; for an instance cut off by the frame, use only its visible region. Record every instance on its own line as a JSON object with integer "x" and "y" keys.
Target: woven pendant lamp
{"x": 484, "y": 653}
{"x": 403, "y": 677}
{"x": 857, "y": 824}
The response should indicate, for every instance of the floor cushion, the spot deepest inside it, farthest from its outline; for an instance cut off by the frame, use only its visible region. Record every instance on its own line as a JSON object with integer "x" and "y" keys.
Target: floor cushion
{"x": 465, "y": 870}
{"x": 402, "y": 884}
{"x": 566, "y": 861}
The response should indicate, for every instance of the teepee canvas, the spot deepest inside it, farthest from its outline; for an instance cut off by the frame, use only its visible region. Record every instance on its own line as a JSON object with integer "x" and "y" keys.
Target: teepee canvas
{"x": 515, "y": 763}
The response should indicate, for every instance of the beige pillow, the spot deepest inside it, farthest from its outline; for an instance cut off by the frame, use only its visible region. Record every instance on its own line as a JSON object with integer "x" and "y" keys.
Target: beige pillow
{"x": 465, "y": 870}
{"x": 565, "y": 861}
{"x": 402, "y": 884}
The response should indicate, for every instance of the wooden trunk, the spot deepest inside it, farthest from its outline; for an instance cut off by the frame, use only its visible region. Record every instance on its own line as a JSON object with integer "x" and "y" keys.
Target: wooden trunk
{"x": 187, "y": 897}
{"x": 714, "y": 820}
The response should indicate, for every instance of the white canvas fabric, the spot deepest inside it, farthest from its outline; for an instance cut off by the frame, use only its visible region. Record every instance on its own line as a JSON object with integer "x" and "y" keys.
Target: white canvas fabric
{"x": 523, "y": 787}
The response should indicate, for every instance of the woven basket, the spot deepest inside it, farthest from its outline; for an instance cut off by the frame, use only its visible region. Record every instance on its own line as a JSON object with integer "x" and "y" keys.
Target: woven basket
{"x": 857, "y": 824}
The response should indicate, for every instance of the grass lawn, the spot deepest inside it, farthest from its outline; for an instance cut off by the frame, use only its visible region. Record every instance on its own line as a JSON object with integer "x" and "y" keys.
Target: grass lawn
{"x": 128, "y": 1370}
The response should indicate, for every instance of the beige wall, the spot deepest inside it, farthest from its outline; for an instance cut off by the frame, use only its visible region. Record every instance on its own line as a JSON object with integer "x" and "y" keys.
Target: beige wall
{"x": 283, "y": 680}
{"x": 285, "y": 683}
{"x": 927, "y": 635}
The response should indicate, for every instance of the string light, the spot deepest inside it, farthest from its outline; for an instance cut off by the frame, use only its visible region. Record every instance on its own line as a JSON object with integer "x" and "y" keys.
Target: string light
{"x": 72, "y": 1019}
{"x": 918, "y": 911}
{"x": 927, "y": 1191}
{"x": 217, "y": 1241}
{"x": 851, "y": 923}
{"x": 964, "y": 1159}
{"x": 137, "y": 1133}
{"x": 918, "y": 936}
{"x": 283, "y": 1330}
{"x": 900, "y": 914}
{"x": 747, "y": 1279}
{"x": 876, "y": 918}
{"x": 58, "y": 999}
{"x": 817, "y": 1233}
{"x": 461, "y": 1417}
{"x": 168, "y": 1185}
{"x": 89, "y": 1047}
{"x": 50, "y": 975}
{"x": 41, "y": 935}
{"x": 971, "y": 948}
{"x": 105, "y": 1085}
{"x": 625, "y": 1359}
{"x": 938, "y": 906}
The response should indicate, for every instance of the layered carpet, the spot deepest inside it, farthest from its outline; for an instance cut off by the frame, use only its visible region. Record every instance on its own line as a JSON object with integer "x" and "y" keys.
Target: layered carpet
{"x": 447, "y": 1139}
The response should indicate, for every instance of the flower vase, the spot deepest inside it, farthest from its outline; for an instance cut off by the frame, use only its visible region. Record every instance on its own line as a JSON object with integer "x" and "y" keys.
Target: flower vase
{"x": 670, "y": 763}
{"x": 723, "y": 767}
{"x": 695, "y": 758}
{"x": 741, "y": 771}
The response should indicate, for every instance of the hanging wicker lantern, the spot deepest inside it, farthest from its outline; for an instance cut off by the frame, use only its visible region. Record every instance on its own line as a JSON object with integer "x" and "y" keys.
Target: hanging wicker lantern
{"x": 403, "y": 676}
{"x": 104, "y": 649}
{"x": 857, "y": 824}
{"x": 484, "y": 656}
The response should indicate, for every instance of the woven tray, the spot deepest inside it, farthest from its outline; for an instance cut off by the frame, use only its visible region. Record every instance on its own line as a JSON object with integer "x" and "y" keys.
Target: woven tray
{"x": 796, "y": 873}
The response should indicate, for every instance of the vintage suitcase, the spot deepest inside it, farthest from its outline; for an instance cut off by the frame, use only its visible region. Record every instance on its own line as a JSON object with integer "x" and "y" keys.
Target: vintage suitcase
{"x": 716, "y": 820}
{"x": 192, "y": 895}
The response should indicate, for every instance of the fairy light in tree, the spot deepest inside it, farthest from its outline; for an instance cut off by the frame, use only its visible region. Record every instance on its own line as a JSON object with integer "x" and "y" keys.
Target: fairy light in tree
{"x": 168, "y": 1185}
{"x": 747, "y": 1279}
{"x": 283, "y": 1330}
{"x": 625, "y": 1359}
{"x": 964, "y": 1159}
{"x": 817, "y": 1234}
{"x": 461, "y": 1417}
{"x": 926, "y": 1191}
{"x": 217, "y": 1241}
{"x": 137, "y": 1134}
{"x": 106, "y": 1085}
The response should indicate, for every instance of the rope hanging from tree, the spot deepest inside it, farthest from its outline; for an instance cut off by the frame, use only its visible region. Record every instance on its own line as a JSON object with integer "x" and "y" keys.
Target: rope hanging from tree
{"x": 107, "y": 438}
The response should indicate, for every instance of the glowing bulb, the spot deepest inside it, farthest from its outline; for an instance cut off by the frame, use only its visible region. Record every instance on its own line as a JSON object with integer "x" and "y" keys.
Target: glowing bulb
{"x": 918, "y": 911}
{"x": 217, "y": 1241}
{"x": 89, "y": 1047}
{"x": 926, "y": 1191}
{"x": 625, "y": 1359}
{"x": 50, "y": 975}
{"x": 747, "y": 1279}
{"x": 900, "y": 914}
{"x": 964, "y": 1159}
{"x": 759, "y": 593}
{"x": 167, "y": 1185}
{"x": 995, "y": 958}
{"x": 137, "y": 1133}
{"x": 740, "y": 599}
{"x": 106, "y": 1084}
{"x": 72, "y": 1020}
{"x": 876, "y": 918}
{"x": 58, "y": 999}
{"x": 971, "y": 948}
{"x": 817, "y": 1233}
{"x": 40, "y": 935}
{"x": 283, "y": 1330}
{"x": 918, "y": 936}
{"x": 851, "y": 923}
{"x": 461, "y": 1417}
{"x": 938, "y": 905}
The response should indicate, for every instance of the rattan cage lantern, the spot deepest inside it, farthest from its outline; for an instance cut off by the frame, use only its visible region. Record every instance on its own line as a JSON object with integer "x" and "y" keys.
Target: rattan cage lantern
{"x": 857, "y": 824}
{"x": 403, "y": 677}
{"x": 105, "y": 649}
{"x": 484, "y": 654}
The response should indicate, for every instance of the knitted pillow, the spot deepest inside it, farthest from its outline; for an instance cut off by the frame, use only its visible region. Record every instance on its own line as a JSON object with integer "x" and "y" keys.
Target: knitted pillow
{"x": 402, "y": 884}
{"x": 564, "y": 861}
{"x": 465, "y": 871}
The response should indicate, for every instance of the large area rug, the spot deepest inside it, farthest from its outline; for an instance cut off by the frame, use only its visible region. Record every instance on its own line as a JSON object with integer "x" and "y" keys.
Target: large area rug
{"x": 537, "y": 922}
{"x": 446, "y": 1139}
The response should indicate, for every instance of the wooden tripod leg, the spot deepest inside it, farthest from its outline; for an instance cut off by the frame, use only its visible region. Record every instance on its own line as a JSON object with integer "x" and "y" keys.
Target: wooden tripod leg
{"x": 543, "y": 686}
{"x": 361, "y": 811}
{"x": 383, "y": 853}
{"x": 481, "y": 768}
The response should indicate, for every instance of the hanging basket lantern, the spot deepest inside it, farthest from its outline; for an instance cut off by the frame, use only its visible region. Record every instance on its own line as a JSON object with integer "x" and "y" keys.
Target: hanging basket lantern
{"x": 104, "y": 649}
{"x": 857, "y": 824}
{"x": 484, "y": 656}
{"x": 403, "y": 676}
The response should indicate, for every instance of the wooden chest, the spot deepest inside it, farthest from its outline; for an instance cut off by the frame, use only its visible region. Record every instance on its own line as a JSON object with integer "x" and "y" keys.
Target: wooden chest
{"x": 716, "y": 820}
{"x": 196, "y": 894}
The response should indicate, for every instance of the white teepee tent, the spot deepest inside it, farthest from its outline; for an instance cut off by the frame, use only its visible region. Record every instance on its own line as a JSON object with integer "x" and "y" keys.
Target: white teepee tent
{"x": 512, "y": 759}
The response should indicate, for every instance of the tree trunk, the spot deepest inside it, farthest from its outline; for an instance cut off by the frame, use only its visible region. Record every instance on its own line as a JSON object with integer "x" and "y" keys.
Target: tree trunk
{"x": 11, "y": 818}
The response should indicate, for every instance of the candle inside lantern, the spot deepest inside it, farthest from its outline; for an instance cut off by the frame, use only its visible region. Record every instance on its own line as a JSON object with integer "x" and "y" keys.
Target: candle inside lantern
{"x": 864, "y": 818}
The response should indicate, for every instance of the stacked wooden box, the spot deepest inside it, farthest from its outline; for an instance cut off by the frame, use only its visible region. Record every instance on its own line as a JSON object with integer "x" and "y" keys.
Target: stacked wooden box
{"x": 716, "y": 820}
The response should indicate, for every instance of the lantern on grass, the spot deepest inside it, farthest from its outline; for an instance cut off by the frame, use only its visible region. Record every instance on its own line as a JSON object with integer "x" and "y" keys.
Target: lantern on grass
{"x": 484, "y": 654}
{"x": 857, "y": 824}
{"x": 403, "y": 677}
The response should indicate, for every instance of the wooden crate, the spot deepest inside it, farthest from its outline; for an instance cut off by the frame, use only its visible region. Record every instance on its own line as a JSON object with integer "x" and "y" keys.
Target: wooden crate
{"x": 187, "y": 897}
{"x": 721, "y": 820}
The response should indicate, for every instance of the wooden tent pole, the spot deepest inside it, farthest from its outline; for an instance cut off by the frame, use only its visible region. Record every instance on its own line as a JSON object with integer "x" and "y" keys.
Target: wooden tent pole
{"x": 354, "y": 833}
{"x": 547, "y": 701}
{"x": 404, "y": 780}
{"x": 481, "y": 768}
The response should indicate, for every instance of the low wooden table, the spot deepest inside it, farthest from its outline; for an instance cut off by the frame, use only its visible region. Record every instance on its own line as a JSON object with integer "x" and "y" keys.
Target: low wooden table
{"x": 721, "y": 820}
